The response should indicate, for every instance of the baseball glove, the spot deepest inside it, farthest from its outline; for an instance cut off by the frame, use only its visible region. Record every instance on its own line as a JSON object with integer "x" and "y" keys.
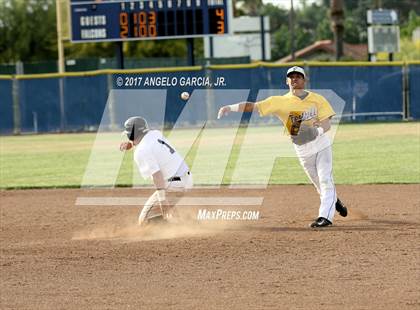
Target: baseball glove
{"x": 293, "y": 123}
{"x": 306, "y": 134}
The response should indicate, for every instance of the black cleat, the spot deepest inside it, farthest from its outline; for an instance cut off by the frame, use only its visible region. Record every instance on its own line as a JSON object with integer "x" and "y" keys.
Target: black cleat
{"x": 321, "y": 222}
{"x": 340, "y": 208}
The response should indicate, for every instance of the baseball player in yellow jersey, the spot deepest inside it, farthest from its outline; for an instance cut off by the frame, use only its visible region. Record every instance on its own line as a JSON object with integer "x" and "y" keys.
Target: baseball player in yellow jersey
{"x": 306, "y": 116}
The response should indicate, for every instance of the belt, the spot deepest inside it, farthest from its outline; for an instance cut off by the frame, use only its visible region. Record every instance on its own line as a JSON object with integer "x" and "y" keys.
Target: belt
{"x": 175, "y": 178}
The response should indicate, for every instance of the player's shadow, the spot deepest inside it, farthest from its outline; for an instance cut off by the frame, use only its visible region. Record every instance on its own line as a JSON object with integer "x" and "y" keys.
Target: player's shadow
{"x": 307, "y": 229}
{"x": 378, "y": 225}
{"x": 394, "y": 222}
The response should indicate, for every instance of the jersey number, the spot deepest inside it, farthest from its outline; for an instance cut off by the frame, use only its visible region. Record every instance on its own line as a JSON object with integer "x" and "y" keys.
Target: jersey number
{"x": 171, "y": 150}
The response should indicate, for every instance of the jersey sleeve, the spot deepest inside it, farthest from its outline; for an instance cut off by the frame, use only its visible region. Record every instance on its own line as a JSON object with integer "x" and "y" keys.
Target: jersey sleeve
{"x": 324, "y": 109}
{"x": 146, "y": 164}
{"x": 264, "y": 106}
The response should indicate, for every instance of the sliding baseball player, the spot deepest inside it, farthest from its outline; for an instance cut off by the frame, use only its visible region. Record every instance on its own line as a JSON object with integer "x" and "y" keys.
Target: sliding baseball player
{"x": 157, "y": 159}
{"x": 306, "y": 116}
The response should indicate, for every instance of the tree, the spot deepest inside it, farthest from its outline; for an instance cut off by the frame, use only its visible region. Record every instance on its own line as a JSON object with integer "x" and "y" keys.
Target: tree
{"x": 312, "y": 24}
{"x": 249, "y": 7}
{"x": 18, "y": 40}
{"x": 28, "y": 29}
{"x": 412, "y": 23}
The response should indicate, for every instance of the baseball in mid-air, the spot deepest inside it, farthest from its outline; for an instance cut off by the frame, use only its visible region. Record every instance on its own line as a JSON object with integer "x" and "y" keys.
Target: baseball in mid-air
{"x": 185, "y": 95}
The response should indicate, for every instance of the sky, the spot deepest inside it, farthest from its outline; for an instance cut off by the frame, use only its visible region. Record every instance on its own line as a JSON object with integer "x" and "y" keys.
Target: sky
{"x": 286, "y": 3}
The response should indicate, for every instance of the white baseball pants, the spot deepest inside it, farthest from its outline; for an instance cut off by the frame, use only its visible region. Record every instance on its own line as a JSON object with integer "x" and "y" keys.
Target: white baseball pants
{"x": 318, "y": 167}
{"x": 152, "y": 208}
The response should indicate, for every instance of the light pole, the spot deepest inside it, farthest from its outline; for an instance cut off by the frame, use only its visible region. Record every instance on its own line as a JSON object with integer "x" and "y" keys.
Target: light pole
{"x": 337, "y": 25}
{"x": 61, "y": 67}
{"x": 292, "y": 30}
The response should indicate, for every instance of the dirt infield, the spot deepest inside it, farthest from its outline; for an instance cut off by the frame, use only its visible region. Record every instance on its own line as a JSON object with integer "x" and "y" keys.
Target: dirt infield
{"x": 56, "y": 255}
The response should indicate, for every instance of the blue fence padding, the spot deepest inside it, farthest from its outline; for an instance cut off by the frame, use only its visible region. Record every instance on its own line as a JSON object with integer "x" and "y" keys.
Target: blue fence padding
{"x": 85, "y": 99}
{"x": 371, "y": 88}
{"x": 254, "y": 79}
{"x": 277, "y": 78}
{"x": 40, "y": 96}
{"x": 414, "y": 95}
{"x": 174, "y": 103}
{"x": 6, "y": 107}
{"x": 375, "y": 89}
{"x": 84, "y": 102}
{"x": 177, "y": 82}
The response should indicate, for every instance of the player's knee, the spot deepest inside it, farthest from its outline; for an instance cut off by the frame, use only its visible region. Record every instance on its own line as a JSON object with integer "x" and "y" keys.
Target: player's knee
{"x": 326, "y": 184}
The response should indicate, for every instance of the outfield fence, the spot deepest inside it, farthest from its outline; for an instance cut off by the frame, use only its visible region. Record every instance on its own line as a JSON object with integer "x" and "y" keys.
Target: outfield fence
{"x": 76, "y": 101}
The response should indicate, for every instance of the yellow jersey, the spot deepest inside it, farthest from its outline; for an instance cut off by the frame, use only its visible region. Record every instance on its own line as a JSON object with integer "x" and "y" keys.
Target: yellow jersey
{"x": 315, "y": 106}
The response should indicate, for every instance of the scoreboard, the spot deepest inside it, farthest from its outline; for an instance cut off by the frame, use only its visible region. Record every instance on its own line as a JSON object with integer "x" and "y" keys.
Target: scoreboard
{"x": 121, "y": 20}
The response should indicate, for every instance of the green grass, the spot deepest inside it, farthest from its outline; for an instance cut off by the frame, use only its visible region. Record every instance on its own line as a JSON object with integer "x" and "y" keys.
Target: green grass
{"x": 363, "y": 153}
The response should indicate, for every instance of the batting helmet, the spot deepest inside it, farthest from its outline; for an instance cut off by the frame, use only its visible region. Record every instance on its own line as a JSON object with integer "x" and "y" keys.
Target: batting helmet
{"x": 135, "y": 127}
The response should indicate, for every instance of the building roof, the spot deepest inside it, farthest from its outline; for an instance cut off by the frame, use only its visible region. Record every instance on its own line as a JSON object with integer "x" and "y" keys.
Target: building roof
{"x": 355, "y": 51}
